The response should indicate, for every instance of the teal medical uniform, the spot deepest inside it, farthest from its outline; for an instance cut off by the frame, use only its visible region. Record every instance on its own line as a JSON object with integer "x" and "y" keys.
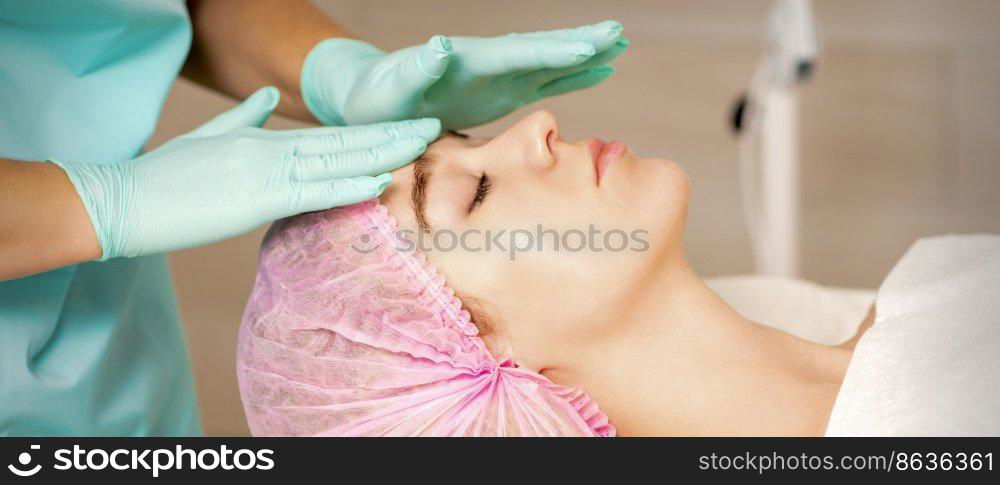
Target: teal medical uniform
{"x": 95, "y": 348}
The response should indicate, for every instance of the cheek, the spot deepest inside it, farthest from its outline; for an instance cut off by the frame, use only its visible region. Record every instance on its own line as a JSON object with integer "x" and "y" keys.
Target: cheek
{"x": 578, "y": 293}
{"x": 550, "y": 297}
{"x": 566, "y": 262}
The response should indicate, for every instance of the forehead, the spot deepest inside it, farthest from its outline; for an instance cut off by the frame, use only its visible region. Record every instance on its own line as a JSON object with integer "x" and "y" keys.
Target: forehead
{"x": 450, "y": 141}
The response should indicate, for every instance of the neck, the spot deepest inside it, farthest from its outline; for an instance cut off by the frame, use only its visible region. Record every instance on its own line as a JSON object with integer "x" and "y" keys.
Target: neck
{"x": 686, "y": 363}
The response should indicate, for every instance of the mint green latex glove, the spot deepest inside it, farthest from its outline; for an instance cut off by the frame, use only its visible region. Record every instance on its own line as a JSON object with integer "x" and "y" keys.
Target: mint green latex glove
{"x": 463, "y": 81}
{"x": 229, "y": 176}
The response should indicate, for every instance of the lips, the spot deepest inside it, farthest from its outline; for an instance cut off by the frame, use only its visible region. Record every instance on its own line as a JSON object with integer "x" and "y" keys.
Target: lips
{"x": 604, "y": 154}
{"x": 596, "y": 146}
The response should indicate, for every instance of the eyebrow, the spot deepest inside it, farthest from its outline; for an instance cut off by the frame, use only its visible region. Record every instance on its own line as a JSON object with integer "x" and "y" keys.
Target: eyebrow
{"x": 418, "y": 193}
{"x": 421, "y": 177}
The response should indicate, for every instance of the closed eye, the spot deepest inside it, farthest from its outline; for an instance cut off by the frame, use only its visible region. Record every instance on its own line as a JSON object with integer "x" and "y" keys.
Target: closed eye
{"x": 482, "y": 190}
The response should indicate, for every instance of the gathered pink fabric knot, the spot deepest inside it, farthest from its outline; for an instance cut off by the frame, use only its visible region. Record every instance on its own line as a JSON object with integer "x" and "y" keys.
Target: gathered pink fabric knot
{"x": 350, "y": 331}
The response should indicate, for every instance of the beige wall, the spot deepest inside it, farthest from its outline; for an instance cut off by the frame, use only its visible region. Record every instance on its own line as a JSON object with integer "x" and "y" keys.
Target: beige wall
{"x": 901, "y": 134}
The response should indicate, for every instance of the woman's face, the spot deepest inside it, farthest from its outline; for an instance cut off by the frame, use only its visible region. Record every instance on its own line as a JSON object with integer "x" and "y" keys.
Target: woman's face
{"x": 553, "y": 237}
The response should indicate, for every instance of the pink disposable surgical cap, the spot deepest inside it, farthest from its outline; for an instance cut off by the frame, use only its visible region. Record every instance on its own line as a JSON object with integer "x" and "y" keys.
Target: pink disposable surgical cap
{"x": 348, "y": 332}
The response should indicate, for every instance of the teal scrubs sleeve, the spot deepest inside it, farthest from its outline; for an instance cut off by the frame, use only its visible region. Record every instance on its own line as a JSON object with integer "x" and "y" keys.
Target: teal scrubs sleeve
{"x": 96, "y": 348}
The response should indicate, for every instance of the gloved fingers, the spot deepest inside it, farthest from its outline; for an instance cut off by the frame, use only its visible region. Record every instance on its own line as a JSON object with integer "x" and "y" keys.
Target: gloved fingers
{"x": 609, "y": 54}
{"x": 424, "y": 66}
{"x": 396, "y": 85}
{"x": 318, "y": 141}
{"x": 601, "y": 35}
{"x": 581, "y": 80}
{"x": 542, "y": 77}
{"x": 368, "y": 161}
{"x": 252, "y": 112}
{"x": 314, "y": 196}
{"x": 395, "y": 129}
{"x": 518, "y": 53}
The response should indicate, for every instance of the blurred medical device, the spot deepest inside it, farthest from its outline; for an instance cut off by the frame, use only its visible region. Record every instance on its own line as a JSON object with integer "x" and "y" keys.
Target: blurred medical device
{"x": 766, "y": 122}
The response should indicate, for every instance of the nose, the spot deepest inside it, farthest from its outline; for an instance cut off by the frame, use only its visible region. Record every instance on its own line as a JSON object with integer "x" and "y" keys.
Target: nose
{"x": 532, "y": 139}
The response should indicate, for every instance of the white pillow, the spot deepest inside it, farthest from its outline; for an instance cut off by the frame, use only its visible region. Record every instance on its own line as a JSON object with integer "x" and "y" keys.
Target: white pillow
{"x": 822, "y": 314}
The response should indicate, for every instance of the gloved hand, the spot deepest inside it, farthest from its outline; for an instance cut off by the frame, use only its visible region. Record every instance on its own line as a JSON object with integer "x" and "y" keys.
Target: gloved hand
{"x": 229, "y": 176}
{"x": 463, "y": 81}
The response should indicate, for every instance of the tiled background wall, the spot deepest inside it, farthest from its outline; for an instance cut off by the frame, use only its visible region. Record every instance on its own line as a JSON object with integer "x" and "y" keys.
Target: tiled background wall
{"x": 901, "y": 133}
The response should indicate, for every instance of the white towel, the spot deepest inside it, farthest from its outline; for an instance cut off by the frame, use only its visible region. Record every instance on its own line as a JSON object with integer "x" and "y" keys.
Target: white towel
{"x": 930, "y": 364}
